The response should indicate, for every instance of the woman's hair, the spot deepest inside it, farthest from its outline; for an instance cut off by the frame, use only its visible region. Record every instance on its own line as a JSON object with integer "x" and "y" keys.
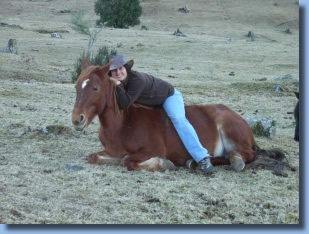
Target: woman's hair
{"x": 127, "y": 67}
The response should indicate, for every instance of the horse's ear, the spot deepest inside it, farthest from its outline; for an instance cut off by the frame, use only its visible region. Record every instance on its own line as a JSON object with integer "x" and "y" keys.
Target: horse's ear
{"x": 85, "y": 64}
{"x": 105, "y": 69}
{"x": 297, "y": 94}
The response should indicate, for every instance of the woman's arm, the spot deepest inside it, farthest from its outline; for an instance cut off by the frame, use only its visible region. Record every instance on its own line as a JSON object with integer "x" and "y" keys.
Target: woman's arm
{"x": 126, "y": 98}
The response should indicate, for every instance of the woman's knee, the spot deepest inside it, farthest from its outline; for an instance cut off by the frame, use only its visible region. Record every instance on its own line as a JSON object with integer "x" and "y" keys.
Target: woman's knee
{"x": 179, "y": 120}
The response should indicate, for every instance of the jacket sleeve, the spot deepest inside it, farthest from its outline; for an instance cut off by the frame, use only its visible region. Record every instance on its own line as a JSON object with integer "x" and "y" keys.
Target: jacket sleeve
{"x": 126, "y": 98}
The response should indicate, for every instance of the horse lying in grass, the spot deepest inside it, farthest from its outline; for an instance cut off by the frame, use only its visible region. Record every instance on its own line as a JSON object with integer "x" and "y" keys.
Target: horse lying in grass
{"x": 145, "y": 139}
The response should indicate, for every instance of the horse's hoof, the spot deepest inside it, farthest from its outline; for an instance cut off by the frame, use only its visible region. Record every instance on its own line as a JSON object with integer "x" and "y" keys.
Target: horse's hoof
{"x": 92, "y": 158}
{"x": 191, "y": 165}
{"x": 168, "y": 165}
{"x": 237, "y": 163}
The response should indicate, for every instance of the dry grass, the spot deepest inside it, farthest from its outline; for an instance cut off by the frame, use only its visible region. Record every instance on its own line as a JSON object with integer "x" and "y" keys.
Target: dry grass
{"x": 35, "y": 92}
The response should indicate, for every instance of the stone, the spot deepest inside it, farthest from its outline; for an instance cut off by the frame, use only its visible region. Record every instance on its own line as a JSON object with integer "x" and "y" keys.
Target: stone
{"x": 262, "y": 126}
{"x": 287, "y": 77}
{"x": 73, "y": 166}
{"x": 278, "y": 88}
{"x": 178, "y": 33}
{"x": 183, "y": 10}
{"x": 55, "y": 35}
{"x": 144, "y": 28}
{"x": 251, "y": 35}
{"x": 11, "y": 47}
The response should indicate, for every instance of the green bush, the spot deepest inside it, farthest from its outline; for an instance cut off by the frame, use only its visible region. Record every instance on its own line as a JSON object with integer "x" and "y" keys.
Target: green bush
{"x": 118, "y": 13}
{"x": 79, "y": 24}
{"x": 101, "y": 58}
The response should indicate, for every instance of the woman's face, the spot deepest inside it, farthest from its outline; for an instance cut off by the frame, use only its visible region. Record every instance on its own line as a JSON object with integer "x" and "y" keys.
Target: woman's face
{"x": 119, "y": 73}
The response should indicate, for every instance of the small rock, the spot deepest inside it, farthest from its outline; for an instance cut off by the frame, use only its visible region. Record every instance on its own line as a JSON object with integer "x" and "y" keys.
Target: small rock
{"x": 284, "y": 78}
{"x": 144, "y": 28}
{"x": 11, "y": 47}
{"x": 55, "y": 35}
{"x": 183, "y": 10}
{"x": 178, "y": 33}
{"x": 45, "y": 130}
{"x": 73, "y": 166}
{"x": 278, "y": 88}
{"x": 251, "y": 35}
{"x": 287, "y": 31}
{"x": 66, "y": 10}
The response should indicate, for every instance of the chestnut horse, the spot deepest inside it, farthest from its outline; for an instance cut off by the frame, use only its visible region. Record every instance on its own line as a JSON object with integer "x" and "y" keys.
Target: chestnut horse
{"x": 145, "y": 139}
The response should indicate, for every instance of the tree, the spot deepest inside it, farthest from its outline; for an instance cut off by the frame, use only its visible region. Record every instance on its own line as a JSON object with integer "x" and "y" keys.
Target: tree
{"x": 118, "y": 13}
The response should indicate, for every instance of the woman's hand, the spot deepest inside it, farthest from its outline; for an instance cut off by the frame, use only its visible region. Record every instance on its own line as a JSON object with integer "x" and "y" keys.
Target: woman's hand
{"x": 117, "y": 82}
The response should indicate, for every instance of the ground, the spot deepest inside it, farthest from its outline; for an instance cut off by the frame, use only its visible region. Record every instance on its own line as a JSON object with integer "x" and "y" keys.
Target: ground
{"x": 215, "y": 63}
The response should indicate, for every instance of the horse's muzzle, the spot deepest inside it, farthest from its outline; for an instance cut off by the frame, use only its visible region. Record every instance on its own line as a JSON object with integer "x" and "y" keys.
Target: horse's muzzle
{"x": 79, "y": 122}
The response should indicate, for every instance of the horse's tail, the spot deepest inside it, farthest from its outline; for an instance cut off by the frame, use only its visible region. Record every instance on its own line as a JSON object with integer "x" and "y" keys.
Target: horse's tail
{"x": 272, "y": 159}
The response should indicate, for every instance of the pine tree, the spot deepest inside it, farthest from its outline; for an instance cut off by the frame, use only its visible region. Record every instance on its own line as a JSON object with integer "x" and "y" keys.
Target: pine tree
{"x": 118, "y": 13}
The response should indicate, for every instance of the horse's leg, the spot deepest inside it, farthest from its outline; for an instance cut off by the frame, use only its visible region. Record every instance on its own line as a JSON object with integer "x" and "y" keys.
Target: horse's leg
{"x": 102, "y": 157}
{"x": 141, "y": 161}
{"x": 236, "y": 160}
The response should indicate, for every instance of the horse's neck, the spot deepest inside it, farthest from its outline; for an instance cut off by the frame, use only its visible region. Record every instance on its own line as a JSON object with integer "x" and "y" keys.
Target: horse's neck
{"x": 110, "y": 120}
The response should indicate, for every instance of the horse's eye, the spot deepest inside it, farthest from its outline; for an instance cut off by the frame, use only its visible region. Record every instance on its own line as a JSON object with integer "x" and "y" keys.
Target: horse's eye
{"x": 95, "y": 89}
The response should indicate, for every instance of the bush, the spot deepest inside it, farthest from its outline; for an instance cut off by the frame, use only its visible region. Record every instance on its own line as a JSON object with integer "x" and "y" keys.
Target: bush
{"x": 118, "y": 13}
{"x": 101, "y": 58}
{"x": 79, "y": 24}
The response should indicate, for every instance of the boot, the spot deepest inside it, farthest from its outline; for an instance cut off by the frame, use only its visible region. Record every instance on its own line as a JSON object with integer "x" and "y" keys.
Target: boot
{"x": 205, "y": 165}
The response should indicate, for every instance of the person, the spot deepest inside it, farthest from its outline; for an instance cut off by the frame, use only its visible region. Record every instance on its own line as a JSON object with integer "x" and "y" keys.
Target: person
{"x": 133, "y": 86}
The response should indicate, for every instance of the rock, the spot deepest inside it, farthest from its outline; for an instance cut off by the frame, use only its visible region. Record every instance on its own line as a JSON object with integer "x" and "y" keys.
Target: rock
{"x": 144, "y": 28}
{"x": 73, "y": 166}
{"x": 55, "y": 35}
{"x": 11, "y": 47}
{"x": 183, "y": 10}
{"x": 262, "y": 126}
{"x": 178, "y": 33}
{"x": 287, "y": 31}
{"x": 278, "y": 88}
{"x": 284, "y": 78}
{"x": 65, "y": 10}
{"x": 251, "y": 35}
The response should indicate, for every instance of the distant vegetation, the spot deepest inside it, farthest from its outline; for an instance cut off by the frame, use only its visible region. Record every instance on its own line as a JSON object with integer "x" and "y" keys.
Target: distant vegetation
{"x": 103, "y": 55}
{"x": 118, "y": 13}
{"x": 101, "y": 58}
{"x": 79, "y": 24}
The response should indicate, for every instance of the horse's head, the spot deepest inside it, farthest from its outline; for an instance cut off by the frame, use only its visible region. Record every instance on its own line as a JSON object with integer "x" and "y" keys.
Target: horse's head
{"x": 92, "y": 90}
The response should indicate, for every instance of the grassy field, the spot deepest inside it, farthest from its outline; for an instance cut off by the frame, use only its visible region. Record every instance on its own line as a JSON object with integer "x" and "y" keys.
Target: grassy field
{"x": 215, "y": 63}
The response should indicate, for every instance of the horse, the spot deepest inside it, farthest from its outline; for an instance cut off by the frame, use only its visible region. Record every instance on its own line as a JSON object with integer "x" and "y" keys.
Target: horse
{"x": 296, "y": 117}
{"x": 143, "y": 138}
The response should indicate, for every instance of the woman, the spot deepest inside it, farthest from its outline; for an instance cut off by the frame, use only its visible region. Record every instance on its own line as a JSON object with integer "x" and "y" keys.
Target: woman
{"x": 133, "y": 86}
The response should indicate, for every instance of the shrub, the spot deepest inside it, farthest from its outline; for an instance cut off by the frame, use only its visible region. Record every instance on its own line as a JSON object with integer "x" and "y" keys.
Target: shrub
{"x": 79, "y": 24}
{"x": 101, "y": 58}
{"x": 118, "y": 13}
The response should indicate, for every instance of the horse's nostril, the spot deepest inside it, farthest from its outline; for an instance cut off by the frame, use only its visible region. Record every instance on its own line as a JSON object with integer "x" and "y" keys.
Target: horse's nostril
{"x": 82, "y": 118}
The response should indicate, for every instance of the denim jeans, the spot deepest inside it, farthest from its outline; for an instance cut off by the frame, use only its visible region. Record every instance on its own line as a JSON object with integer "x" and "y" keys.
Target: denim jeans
{"x": 175, "y": 109}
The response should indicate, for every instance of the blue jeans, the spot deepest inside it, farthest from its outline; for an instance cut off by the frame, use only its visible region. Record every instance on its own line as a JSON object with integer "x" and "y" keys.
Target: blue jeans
{"x": 175, "y": 109}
